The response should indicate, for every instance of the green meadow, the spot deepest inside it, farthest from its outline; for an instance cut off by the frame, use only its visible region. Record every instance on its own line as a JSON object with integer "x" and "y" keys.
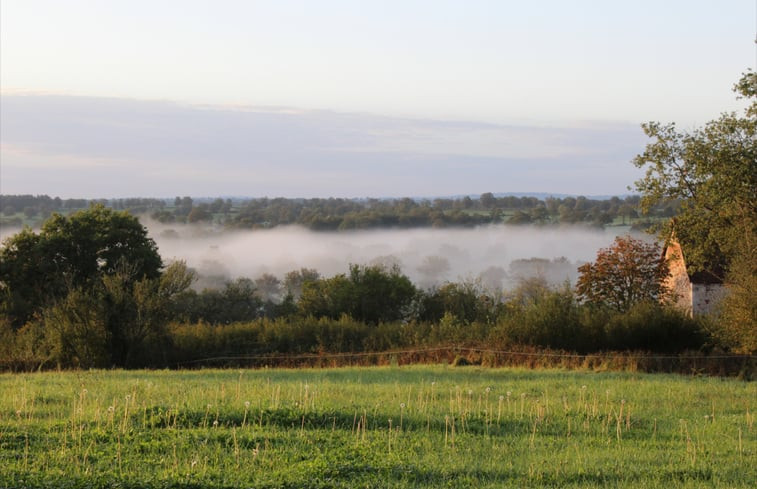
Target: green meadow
{"x": 420, "y": 426}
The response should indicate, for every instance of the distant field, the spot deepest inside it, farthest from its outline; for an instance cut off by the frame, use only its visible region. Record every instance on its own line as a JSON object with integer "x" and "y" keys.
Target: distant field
{"x": 375, "y": 427}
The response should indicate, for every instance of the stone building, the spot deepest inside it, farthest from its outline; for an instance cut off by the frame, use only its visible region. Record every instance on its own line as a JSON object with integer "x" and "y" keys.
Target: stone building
{"x": 696, "y": 294}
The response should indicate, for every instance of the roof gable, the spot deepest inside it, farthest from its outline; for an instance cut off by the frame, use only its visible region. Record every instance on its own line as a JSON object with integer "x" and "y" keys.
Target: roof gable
{"x": 673, "y": 251}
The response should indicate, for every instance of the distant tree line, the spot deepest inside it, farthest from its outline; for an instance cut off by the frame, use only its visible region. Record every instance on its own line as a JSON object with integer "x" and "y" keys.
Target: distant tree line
{"x": 349, "y": 214}
{"x": 17, "y": 210}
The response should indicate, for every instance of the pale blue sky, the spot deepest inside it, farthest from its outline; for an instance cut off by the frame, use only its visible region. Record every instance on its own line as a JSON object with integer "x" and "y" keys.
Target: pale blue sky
{"x": 566, "y": 66}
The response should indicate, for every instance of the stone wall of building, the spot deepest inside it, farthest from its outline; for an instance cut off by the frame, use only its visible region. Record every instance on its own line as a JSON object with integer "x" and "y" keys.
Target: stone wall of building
{"x": 706, "y": 297}
{"x": 678, "y": 281}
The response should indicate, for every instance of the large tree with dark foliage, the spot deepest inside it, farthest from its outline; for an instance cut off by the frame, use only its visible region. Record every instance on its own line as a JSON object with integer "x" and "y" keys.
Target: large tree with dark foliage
{"x": 71, "y": 252}
{"x": 90, "y": 289}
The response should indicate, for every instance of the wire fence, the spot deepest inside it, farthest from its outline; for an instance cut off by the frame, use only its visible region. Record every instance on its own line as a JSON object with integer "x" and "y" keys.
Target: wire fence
{"x": 744, "y": 366}
{"x": 691, "y": 363}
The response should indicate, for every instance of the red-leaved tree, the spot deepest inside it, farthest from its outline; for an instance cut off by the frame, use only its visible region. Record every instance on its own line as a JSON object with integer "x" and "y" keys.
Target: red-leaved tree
{"x": 628, "y": 272}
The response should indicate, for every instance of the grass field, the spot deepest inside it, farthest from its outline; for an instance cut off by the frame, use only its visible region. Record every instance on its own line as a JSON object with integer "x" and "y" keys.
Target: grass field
{"x": 375, "y": 427}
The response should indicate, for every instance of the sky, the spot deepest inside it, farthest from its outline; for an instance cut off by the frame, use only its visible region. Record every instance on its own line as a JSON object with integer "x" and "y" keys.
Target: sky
{"x": 103, "y": 98}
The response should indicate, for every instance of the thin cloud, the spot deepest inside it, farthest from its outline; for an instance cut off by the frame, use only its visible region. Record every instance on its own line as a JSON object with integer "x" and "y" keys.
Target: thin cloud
{"x": 274, "y": 151}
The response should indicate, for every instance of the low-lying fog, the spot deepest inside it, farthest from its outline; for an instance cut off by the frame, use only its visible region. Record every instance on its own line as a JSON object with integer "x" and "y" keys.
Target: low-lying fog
{"x": 493, "y": 254}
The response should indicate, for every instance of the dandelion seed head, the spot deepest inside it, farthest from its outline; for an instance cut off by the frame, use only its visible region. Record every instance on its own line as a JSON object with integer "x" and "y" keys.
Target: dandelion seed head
{"x": 501, "y": 398}
{"x": 402, "y": 406}
{"x": 488, "y": 390}
{"x": 215, "y": 423}
{"x": 247, "y": 404}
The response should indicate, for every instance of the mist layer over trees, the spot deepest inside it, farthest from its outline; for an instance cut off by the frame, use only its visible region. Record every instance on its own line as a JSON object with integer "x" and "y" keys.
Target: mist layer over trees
{"x": 497, "y": 256}
{"x": 121, "y": 314}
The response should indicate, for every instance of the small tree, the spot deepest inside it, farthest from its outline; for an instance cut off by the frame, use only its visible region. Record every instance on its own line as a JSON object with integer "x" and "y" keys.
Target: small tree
{"x": 628, "y": 272}
{"x": 372, "y": 294}
{"x": 119, "y": 321}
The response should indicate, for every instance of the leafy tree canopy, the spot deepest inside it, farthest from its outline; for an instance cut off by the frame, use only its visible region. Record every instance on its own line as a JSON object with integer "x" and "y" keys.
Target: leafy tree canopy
{"x": 71, "y": 252}
{"x": 372, "y": 294}
{"x": 627, "y": 273}
{"x": 712, "y": 171}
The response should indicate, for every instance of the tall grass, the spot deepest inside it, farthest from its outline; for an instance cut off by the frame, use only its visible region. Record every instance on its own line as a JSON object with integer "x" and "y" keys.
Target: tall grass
{"x": 375, "y": 427}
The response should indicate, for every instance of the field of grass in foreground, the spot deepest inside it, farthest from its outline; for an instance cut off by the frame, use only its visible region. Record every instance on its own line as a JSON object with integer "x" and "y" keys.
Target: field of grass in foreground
{"x": 375, "y": 427}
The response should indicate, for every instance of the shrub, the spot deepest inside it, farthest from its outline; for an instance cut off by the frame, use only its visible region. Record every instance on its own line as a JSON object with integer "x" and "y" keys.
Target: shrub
{"x": 650, "y": 326}
{"x": 540, "y": 316}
